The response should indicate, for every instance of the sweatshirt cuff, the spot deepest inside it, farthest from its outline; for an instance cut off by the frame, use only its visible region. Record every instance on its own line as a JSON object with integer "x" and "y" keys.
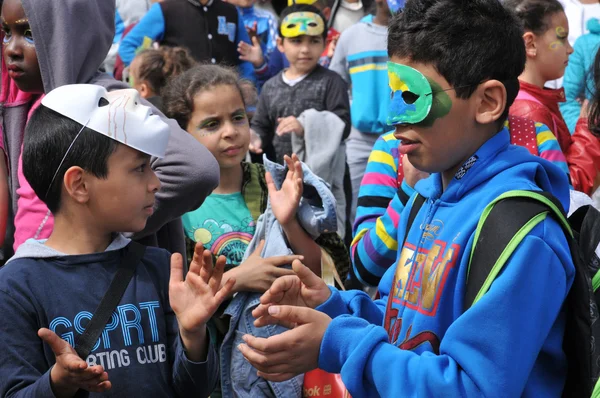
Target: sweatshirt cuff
{"x": 261, "y": 69}
{"x": 196, "y": 377}
{"x": 335, "y": 305}
{"x": 343, "y": 336}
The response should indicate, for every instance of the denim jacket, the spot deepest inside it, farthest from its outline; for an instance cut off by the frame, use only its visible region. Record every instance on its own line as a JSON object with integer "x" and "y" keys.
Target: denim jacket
{"x": 317, "y": 215}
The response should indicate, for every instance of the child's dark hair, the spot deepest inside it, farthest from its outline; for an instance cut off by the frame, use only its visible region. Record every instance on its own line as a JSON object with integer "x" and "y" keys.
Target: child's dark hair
{"x": 302, "y": 8}
{"x": 594, "y": 110}
{"x": 178, "y": 97}
{"x": 157, "y": 66}
{"x": 534, "y": 14}
{"x": 466, "y": 41}
{"x": 48, "y": 136}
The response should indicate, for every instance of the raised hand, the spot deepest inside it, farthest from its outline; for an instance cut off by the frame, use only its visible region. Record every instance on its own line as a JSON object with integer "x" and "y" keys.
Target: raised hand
{"x": 257, "y": 274}
{"x": 195, "y": 299}
{"x": 304, "y": 289}
{"x": 290, "y": 353}
{"x": 71, "y": 373}
{"x": 285, "y": 201}
{"x": 252, "y": 53}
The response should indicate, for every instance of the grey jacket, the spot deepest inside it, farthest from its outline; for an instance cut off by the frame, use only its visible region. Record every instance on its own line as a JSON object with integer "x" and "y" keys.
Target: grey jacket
{"x": 323, "y": 150}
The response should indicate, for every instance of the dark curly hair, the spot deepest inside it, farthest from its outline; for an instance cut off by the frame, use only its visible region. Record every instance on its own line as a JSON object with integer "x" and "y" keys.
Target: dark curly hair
{"x": 178, "y": 97}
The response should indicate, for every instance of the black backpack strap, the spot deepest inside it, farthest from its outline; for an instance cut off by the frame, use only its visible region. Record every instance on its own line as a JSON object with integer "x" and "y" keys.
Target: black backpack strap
{"x": 111, "y": 299}
{"x": 414, "y": 210}
{"x": 503, "y": 224}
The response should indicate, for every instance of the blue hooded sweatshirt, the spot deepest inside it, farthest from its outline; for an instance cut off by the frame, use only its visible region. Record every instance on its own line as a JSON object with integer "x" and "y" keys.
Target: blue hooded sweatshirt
{"x": 508, "y": 344}
{"x": 140, "y": 348}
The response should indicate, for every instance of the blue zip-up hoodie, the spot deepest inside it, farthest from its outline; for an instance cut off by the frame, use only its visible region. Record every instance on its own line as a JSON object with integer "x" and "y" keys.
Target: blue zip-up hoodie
{"x": 508, "y": 344}
{"x": 579, "y": 75}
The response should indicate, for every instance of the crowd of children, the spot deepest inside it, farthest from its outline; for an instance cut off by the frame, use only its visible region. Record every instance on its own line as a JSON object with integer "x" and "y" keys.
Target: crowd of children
{"x": 188, "y": 188}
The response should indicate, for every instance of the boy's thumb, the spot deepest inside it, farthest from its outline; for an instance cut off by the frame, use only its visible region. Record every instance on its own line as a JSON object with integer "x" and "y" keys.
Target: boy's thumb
{"x": 255, "y": 41}
{"x": 51, "y": 338}
{"x": 305, "y": 274}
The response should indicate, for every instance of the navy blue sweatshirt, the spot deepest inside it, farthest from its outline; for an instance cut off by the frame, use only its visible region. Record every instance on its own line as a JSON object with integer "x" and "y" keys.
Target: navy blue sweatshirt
{"x": 140, "y": 348}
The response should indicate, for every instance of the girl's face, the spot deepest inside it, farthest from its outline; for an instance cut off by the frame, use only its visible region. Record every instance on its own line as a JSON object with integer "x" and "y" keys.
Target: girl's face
{"x": 219, "y": 122}
{"x": 553, "y": 48}
{"x": 135, "y": 82}
{"x": 18, "y": 48}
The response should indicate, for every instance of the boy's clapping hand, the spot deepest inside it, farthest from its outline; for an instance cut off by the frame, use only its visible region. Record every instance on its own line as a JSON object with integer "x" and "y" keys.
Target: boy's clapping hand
{"x": 303, "y": 289}
{"x": 291, "y": 353}
{"x": 195, "y": 299}
{"x": 71, "y": 373}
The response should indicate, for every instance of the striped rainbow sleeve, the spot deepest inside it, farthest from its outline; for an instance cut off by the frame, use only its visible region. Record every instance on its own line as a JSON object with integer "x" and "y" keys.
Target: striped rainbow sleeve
{"x": 374, "y": 246}
{"x": 549, "y": 148}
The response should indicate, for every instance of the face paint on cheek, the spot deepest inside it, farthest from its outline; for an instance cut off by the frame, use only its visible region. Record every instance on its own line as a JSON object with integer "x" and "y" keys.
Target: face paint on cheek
{"x": 440, "y": 106}
{"x": 555, "y": 45}
{"x": 561, "y": 35}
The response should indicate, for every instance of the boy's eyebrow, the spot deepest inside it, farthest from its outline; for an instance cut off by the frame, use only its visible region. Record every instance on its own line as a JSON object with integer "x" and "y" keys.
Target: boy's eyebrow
{"x": 142, "y": 156}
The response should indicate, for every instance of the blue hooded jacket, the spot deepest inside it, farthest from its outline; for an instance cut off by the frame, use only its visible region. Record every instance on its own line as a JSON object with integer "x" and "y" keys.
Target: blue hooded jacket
{"x": 579, "y": 75}
{"x": 508, "y": 344}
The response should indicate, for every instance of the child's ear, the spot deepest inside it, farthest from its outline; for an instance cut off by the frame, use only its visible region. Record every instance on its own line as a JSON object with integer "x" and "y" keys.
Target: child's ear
{"x": 76, "y": 185}
{"x": 530, "y": 44}
{"x": 280, "y": 44}
{"x": 491, "y": 103}
{"x": 326, "y": 13}
{"x": 144, "y": 90}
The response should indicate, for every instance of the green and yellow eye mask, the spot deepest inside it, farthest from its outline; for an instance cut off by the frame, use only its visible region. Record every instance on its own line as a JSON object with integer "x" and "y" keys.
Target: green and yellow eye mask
{"x": 302, "y": 23}
{"x": 411, "y": 95}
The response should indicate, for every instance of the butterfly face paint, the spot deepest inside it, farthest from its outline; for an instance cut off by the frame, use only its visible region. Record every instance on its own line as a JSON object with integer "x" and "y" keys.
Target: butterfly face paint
{"x": 302, "y": 23}
{"x": 561, "y": 35}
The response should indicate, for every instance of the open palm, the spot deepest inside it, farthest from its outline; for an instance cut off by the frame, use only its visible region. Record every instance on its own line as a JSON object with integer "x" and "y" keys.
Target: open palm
{"x": 195, "y": 299}
{"x": 285, "y": 201}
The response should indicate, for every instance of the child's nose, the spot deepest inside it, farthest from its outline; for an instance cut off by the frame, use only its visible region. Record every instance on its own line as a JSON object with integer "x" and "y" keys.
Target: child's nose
{"x": 229, "y": 130}
{"x": 13, "y": 49}
{"x": 154, "y": 185}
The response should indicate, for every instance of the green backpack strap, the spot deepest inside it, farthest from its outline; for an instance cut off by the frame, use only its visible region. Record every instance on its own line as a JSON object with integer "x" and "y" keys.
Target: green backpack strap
{"x": 502, "y": 226}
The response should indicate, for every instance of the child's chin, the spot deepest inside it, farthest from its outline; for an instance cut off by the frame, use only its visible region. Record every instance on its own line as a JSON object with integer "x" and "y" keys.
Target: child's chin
{"x": 136, "y": 227}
